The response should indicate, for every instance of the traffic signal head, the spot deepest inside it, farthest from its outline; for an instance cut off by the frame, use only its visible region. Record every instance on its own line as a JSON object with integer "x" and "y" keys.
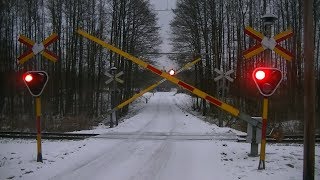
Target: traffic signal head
{"x": 267, "y": 79}
{"x": 172, "y": 72}
{"x": 35, "y": 81}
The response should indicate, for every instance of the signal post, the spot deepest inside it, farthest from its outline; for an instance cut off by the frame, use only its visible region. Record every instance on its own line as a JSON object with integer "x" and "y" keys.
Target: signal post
{"x": 35, "y": 82}
{"x": 267, "y": 81}
{"x": 38, "y": 122}
{"x": 262, "y": 164}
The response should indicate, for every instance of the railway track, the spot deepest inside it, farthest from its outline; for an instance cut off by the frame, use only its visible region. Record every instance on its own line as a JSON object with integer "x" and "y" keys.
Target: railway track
{"x": 146, "y": 136}
{"x": 46, "y": 135}
{"x": 285, "y": 139}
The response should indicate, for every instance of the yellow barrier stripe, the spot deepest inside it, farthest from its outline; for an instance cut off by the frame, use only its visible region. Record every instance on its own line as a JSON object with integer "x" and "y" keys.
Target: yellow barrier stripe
{"x": 47, "y": 54}
{"x": 112, "y": 48}
{"x": 282, "y": 36}
{"x": 253, "y": 51}
{"x": 162, "y": 74}
{"x": 188, "y": 65}
{"x": 230, "y": 109}
{"x": 38, "y": 106}
{"x": 49, "y": 40}
{"x": 200, "y": 93}
{"x": 26, "y": 58}
{"x": 137, "y": 95}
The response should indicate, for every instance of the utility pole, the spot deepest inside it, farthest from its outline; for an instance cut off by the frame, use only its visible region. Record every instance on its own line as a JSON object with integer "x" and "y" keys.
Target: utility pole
{"x": 309, "y": 92}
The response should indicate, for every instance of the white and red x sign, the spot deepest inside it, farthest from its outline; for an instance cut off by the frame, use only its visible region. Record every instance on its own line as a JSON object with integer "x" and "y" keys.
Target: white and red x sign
{"x": 268, "y": 43}
{"x": 35, "y": 48}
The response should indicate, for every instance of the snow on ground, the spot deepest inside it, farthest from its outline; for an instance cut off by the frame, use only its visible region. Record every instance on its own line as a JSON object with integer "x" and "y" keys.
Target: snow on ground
{"x": 134, "y": 158}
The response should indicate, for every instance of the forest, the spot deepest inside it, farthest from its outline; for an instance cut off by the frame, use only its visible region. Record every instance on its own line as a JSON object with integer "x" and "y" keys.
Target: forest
{"x": 215, "y": 29}
{"x": 76, "y": 96}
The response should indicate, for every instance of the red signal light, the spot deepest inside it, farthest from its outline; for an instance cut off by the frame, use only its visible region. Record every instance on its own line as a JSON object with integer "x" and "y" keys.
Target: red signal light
{"x": 267, "y": 79}
{"x": 171, "y": 72}
{"x": 35, "y": 81}
{"x": 260, "y": 75}
{"x": 28, "y": 78}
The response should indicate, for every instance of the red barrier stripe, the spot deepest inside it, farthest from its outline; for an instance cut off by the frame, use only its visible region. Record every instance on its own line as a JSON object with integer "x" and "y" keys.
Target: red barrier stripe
{"x": 50, "y": 53}
{"x": 190, "y": 88}
{"x": 153, "y": 69}
{"x": 257, "y": 46}
{"x": 25, "y": 42}
{"x": 284, "y": 50}
{"x": 252, "y": 35}
{"x": 213, "y": 100}
{"x": 25, "y": 54}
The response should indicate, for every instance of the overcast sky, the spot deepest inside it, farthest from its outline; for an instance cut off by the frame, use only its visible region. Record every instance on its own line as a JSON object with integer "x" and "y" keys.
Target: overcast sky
{"x": 165, "y": 15}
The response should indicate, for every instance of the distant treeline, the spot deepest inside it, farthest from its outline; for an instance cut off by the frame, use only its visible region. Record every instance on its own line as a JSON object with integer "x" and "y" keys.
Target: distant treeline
{"x": 76, "y": 94}
{"x": 215, "y": 29}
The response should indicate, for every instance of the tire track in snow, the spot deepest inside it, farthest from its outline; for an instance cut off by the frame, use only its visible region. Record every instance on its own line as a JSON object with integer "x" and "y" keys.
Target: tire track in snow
{"x": 123, "y": 150}
{"x": 160, "y": 157}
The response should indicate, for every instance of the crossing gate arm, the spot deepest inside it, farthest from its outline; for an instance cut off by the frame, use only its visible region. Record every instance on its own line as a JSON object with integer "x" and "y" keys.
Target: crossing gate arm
{"x": 153, "y": 86}
{"x": 173, "y": 79}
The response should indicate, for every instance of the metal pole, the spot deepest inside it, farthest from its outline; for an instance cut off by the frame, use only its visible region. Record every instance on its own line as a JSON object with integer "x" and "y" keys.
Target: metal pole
{"x": 112, "y": 100}
{"x": 262, "y": 164}
{"x": 254, "y": 145}
{"x": 223, "y": 99}
{"x": 38, "y": 124}
{"x": 115, "y": 94}
{"x": 267, "y": 53}
{"x": 309, "y": 92}
{"x": 268, "y": 19}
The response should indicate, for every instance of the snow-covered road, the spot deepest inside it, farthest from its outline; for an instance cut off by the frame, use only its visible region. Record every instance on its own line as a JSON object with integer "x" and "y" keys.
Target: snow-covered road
{"x": 137, "y": 158}
{"x": 147, "y": 147}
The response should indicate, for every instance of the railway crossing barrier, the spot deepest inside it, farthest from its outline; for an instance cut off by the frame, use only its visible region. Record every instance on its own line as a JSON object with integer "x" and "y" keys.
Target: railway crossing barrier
{"x": 188, "y": 65}
{"x": 230, "y": 109}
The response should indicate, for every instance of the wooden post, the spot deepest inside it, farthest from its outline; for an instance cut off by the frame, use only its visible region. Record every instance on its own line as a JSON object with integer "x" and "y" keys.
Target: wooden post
{"x": 309, "y": 92}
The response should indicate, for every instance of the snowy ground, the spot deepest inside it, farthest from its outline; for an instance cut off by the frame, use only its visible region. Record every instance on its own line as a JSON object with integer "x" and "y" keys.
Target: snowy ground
{"x": 138, "y": 158}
